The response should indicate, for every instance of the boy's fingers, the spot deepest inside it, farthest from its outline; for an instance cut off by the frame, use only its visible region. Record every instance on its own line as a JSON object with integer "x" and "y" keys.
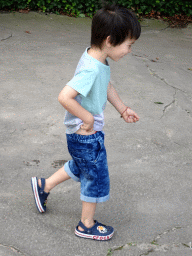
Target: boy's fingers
{"x": 83, "y": 127}
{"x": 132, "y": 113}
{"x": 136, "y": 119}
{"x": 132, "y": 119}
{"x": 135, "y": 115}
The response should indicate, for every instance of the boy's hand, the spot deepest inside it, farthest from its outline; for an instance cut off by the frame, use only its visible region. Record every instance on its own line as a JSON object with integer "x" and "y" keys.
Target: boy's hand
{"x": 130, "y": 116}
{"x": 87, "y": 127}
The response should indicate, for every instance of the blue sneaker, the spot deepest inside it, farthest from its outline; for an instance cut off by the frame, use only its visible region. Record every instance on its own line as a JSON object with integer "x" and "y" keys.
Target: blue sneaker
{"x": 39, "y": 194}
{"x": 97, "y": 232}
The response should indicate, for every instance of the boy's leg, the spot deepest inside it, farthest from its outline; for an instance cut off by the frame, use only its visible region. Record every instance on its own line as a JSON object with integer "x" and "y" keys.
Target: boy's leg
{"x": 87, "y": 216}
{"x": 55, "y": 179}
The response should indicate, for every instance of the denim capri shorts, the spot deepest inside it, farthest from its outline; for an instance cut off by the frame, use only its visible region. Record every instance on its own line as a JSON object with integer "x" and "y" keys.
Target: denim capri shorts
{"x": 89, "y": 166}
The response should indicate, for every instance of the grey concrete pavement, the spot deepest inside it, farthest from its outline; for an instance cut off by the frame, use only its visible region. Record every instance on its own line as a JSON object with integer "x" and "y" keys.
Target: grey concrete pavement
{"x": 150, "y": 162}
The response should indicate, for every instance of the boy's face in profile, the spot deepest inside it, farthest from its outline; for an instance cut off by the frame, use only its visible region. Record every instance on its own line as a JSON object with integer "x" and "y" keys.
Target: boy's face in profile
{"x": 119, "y": 51}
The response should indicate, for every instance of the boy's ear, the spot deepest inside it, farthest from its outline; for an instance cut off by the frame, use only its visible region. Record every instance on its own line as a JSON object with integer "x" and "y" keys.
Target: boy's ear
{"x": 108, "y": 41}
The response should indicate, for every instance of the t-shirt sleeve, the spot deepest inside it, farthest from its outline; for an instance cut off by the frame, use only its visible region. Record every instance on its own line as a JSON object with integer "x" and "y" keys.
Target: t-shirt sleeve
{"x": 83, "y": 81}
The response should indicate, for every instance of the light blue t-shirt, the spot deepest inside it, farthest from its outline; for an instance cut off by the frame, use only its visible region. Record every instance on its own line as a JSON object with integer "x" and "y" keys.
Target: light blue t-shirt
{"x": 91, "y": 80}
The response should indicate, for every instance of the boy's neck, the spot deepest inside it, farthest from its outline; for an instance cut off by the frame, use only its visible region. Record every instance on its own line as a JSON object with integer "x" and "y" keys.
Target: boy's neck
{"x": 98, "y": 54}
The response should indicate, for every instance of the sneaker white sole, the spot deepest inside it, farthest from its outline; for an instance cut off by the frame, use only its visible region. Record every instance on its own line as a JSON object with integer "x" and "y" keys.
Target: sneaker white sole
{"x": 94, "y": 237}
{"x": 36, "y": 195}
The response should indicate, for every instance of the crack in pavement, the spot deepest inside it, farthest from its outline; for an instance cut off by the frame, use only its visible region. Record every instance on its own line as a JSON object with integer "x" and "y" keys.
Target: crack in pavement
{"x": 6, "y": 38}
{"x": 153, "y": 73}
{"x": 168, "y": 105}
{"x": 190, "y": 150}
{"x": 153, "y": 246}
{"x": 14, "y": 249}
{"x": 149, "y": 247}
{"x": 167, "y": 231}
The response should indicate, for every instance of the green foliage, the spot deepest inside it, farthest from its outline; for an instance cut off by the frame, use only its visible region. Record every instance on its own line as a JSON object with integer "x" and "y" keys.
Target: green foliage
{"x": 89, "y": 7}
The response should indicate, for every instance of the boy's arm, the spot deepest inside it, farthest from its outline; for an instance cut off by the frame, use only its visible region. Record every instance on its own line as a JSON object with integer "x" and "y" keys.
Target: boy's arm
{"x": 67, "y": 100}
{"x": 128, "y": 115}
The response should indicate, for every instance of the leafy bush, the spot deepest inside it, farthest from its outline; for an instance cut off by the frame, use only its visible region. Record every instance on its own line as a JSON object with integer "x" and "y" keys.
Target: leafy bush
{"x": 89, "y": 7}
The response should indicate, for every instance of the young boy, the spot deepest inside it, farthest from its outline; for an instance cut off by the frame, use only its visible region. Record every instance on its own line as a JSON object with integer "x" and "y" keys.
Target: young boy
{"x": 114, "y": 30}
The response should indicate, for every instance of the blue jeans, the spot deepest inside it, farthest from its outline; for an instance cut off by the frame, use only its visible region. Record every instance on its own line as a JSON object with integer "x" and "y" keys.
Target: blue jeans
{"x": 89, "y": 166}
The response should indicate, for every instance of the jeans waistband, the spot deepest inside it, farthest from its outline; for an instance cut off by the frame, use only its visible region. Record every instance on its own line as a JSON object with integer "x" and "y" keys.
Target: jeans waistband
{"x": 85, "y": 138}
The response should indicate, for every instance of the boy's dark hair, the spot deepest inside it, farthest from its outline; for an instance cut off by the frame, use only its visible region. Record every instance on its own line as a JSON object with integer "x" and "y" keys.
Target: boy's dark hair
{"x": 117, "y": 22}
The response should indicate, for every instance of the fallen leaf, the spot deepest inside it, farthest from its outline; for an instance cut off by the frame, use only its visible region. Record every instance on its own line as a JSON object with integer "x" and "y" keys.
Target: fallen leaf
{"x": 28, "y": 32}
{"x": 23, "y": 11}
{"x": 158, "y": 102}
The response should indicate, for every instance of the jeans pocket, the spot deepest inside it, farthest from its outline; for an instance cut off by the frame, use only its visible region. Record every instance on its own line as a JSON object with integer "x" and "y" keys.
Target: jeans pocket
{"x": 97, "y": 154}
{"x": 86, "y": 151}
{"x": 84, "y": 167}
